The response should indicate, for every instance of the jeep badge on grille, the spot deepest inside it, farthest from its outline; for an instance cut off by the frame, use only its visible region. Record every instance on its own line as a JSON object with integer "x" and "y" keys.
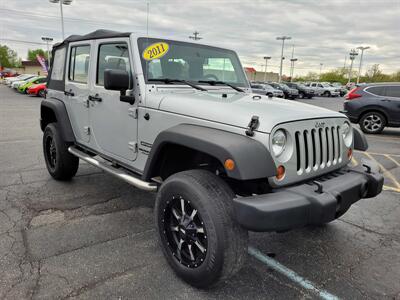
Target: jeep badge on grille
{"x": 319, "y": 124}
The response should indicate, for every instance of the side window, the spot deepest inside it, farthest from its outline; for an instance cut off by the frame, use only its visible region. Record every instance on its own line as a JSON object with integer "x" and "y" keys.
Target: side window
{"x": 57, "y": 69}
{"x": 393, "y": 91}
{"x": 79, "y": 64}
{"x": 112, "y": 56}
{"x": 377, "y": 90}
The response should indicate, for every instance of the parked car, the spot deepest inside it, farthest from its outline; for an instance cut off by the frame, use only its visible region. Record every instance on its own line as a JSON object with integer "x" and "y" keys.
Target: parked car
{"x": 304, "y": 91}
{"x": 342, "y": 89}
{"x": 37, "y": 90}
{"x": 325, "y": 89}
{"x": 266, "y": 89}
{"x": 289, "y": 93}
{"x": 9, "y": 80}
{"x": 34, "y": 80}
{"x": 374, "y": 106}
{"x": 221, "y": 161}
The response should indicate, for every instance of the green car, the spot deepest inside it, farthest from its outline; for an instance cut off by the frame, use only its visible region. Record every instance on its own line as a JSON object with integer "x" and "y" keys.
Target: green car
{"x": 35, "y": 80}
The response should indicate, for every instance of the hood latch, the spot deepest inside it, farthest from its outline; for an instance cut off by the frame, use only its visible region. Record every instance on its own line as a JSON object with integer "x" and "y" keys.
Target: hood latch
{"x": 253, "y": 125}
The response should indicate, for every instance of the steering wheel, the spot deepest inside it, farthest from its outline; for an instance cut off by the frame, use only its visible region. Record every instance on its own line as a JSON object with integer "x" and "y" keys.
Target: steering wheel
{"x": 211, "y": 76}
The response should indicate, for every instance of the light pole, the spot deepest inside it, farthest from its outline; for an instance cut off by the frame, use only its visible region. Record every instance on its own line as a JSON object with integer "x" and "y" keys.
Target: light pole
{"x": 292, "y": 61}
{"x": 266, "y": 63}
{"x": 65, "y": 2}
{"x": 352, "y": 57}
{"x": 47, "y": 40}
{"x": 282, "y": 38}
{"x": 320, "y": 70}
{"x": 361, "y": 58}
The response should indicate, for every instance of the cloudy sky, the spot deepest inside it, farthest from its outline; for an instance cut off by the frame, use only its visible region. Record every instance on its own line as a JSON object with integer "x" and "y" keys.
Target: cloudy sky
{"x": 322, "y": 31}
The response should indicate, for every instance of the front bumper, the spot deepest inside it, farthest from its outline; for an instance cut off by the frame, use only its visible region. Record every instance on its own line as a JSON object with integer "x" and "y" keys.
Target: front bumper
{"x": 319, "y": 201}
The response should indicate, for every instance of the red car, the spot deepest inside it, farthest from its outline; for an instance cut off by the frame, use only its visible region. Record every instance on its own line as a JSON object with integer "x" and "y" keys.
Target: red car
{"x": 37, "y": 90}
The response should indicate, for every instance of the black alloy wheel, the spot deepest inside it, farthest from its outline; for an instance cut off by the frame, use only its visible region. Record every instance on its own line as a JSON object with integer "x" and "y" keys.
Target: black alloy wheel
{"x": 185, "y": 232}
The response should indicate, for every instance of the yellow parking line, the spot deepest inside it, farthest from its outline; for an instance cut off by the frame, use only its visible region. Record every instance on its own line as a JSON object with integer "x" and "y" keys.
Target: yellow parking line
{"x": 374, "y": 153}
{"x": 354, "y": 162}
{"x": 393, "y": 160}
{"x": 389, "y": 188}
{"x": 385, "y": 172}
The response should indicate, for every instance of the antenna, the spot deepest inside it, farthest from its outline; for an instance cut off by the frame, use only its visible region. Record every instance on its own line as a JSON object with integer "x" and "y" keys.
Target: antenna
{"x": 147, "y": 19}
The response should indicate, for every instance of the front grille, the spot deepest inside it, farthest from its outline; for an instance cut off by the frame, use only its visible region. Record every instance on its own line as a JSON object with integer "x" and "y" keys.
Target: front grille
{"x": 318, "y": 148}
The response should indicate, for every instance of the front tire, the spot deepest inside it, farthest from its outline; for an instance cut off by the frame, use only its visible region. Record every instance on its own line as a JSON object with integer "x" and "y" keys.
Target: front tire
{"x": 372, "y": 122}
{"x": 61, "y": 164}
{"x": 199, "y": 237}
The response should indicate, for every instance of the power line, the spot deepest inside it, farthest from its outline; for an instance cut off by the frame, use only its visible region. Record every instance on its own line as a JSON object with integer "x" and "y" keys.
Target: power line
{"x": 22, "y": 42}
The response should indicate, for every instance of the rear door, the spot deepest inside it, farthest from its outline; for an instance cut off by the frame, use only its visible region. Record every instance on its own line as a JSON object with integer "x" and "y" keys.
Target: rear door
{"x": 77, "y": 84}
{"x": 392, "y": 100}
{"x": 114, "y": 123}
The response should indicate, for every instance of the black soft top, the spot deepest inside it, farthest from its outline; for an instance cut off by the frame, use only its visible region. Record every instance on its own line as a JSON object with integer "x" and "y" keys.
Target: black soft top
{"x": 98, "y": 34}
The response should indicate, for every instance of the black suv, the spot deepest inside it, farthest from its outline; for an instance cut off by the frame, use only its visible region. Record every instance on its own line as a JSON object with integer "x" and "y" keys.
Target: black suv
{"x": 304, "y": 91}
{"x": 374, "y": 106}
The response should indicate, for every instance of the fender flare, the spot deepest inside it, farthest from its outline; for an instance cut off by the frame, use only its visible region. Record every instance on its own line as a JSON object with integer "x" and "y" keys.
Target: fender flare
{"x": 360, "y": 141}
{"x": 60, "y": 113}
{"x": 252, "y": 159}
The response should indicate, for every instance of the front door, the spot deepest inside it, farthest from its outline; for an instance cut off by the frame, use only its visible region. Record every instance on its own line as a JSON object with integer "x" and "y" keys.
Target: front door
{"x": 77, "y": 89}
{"x": 113, "y": 123}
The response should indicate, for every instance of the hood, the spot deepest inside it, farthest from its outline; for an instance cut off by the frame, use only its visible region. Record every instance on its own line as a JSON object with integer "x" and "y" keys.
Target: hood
{"x": 237, "y": 109}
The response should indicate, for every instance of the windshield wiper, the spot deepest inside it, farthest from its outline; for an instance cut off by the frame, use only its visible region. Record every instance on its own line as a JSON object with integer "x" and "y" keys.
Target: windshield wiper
{"x": 168, "y": 80}
{"x": 214, "y": 82}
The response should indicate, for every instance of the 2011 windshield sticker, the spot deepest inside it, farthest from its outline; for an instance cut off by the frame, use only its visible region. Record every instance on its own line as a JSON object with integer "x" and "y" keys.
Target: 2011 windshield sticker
{"x": 156, "y": 50}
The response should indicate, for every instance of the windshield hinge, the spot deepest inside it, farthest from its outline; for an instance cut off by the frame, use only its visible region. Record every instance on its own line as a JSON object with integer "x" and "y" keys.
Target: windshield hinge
{"x": 253, "y": 125}
{"x": 133, "y": 112}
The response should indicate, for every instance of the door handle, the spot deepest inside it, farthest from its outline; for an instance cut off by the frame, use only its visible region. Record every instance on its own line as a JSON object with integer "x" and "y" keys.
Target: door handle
{"x": 95, "y": 98}
{"x": 70, "y": 93}
{"x": 386, "y": 100}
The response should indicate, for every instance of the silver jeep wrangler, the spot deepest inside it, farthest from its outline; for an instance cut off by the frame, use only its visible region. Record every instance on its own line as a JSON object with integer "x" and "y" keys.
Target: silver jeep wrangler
{"x": 179, "y": 119}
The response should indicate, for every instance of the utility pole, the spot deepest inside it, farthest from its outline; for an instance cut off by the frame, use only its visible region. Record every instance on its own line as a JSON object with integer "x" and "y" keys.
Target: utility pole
{"x": 282, "y": 38}
{"x": 195, "y": 36}
{"x": 361, "y": 59}
{"x": 352, "y": 57}
{"x": 320, "y": 70}
{"x": 47, "y": 40}
{"x": 266, "y": 63}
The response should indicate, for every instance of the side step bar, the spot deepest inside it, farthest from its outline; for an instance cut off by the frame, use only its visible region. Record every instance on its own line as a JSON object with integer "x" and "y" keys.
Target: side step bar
{"x": 143, "y": 185}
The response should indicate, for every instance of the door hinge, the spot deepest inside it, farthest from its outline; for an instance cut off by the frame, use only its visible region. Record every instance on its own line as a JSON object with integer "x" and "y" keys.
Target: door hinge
{"x": 133, "y": 112}
{"x": 133, "y": 146}
{"x": 87, "y": 130}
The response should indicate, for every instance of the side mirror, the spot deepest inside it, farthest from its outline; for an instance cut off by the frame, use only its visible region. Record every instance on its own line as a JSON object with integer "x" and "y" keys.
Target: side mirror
{"x": 118, "y": 80}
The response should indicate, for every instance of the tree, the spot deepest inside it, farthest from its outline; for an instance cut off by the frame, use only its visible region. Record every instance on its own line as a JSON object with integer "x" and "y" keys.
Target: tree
{"x": 8, "y": 57}
{"x": 32, "y": 54}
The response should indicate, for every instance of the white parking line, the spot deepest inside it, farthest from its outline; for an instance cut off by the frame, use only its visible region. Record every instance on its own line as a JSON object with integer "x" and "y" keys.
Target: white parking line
{"x": 292, "y": 275}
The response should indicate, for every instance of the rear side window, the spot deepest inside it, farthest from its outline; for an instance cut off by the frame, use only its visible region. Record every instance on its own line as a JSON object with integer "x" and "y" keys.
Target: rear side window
{"x": 112, "y": 56}
{"x": 377, "y": 90}
{"x": 57, "y": 69}
{"x": 393, "y": 91}
{"x": 41, "y": 80}
{"x": 79, "y": 64}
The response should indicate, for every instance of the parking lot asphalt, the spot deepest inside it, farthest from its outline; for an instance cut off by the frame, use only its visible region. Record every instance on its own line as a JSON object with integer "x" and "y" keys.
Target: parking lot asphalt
{"x": 94, "y": 237}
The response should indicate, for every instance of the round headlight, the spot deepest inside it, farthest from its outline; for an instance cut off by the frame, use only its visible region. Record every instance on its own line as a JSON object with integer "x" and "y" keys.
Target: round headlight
{"x": 347, "y": 133}
{"x": 278, "y": 142}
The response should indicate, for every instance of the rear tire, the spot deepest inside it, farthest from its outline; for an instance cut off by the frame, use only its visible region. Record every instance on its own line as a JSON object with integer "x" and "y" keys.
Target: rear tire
{"x": 223, "y": 240}
{"x": 372, "y": 122}
{"x": 41, "y": 93}
{"x": 327, "y": 94}
{"x": 301, "y": 95}
{"x": 61, "y": 164}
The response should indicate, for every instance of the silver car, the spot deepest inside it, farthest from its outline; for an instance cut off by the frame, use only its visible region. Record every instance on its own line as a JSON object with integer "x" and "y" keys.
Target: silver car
{"x": 179, "y": 119}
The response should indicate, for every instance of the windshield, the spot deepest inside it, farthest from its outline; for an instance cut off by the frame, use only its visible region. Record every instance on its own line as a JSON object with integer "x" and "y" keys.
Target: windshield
{"x": 165, "y": 59}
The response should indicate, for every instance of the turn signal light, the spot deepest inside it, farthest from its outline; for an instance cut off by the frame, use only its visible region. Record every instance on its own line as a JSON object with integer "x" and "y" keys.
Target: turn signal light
{"x": 280, "y": 172}
{"x": 349, "y": 153}
{"x": 229, "y": 164}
